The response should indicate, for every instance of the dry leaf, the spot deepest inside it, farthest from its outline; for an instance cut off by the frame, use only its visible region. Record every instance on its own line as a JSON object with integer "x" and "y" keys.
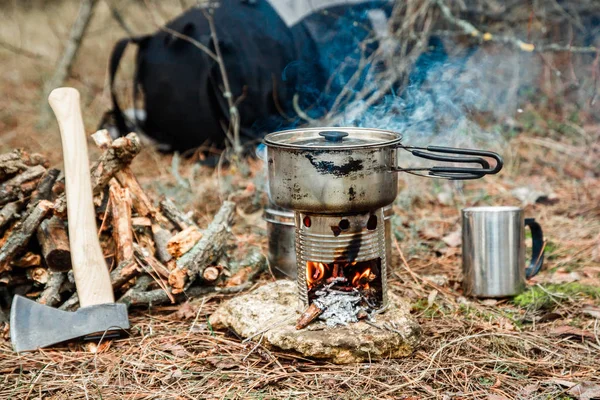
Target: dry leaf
{"x": 437, "y": 279}
{"x": 186, "y": 311}
{"x": 528, "y": 390}
{"x": 449, "y": 251}
{"x": 174, "y": 374}
{"x": 497, "y": 397}
{"x": 225, "y": 363}
{"x": 571, "y": 331}
{"x": 431, "y": 297}
{"x": 430, "y": 234}
{"x": 94, "y": 348}
{"x": 453, "y": 239}
{"x": 565, "y": 277}
{"x": 239, "y": 277}
{"x": 489, "y": 302}
{"x": 560, "y": 382}
{"x": 585, "y": 391}
{"x": 592, "y": 311}
{"x": 177, "y": 350}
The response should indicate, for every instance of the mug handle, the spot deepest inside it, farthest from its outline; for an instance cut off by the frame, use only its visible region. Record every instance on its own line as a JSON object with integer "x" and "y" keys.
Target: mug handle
{"x": 537, "y": 253}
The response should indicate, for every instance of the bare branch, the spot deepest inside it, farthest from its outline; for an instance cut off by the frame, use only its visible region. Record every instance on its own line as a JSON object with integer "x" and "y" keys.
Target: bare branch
{"x": 468, "y": 29}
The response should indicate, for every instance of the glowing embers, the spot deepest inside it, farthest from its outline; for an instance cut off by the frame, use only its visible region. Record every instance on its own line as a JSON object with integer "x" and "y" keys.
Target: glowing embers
{"x": 363, "y": 278}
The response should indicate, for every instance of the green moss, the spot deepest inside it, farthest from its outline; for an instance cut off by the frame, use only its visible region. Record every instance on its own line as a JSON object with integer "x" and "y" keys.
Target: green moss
{"x": 549, "y": 296}
{"x": 422, "y": 307}
{"x": 486, "y": 381}
{"x": 550, "y": 250}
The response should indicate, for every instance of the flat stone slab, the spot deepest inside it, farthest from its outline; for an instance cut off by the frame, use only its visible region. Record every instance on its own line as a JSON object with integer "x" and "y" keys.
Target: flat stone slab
{"x": 271, "y": 312}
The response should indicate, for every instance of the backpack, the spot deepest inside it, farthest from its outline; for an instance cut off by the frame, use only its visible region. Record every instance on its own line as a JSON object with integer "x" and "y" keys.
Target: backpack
{"x": 279, "y": 56}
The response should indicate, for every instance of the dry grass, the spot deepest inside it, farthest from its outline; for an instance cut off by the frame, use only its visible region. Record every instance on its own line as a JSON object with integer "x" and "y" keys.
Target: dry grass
{"x": 470, "y": 348}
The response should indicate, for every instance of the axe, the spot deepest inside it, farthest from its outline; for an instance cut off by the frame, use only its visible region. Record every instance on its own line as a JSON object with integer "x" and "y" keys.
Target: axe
{"x": 33, "y": 325}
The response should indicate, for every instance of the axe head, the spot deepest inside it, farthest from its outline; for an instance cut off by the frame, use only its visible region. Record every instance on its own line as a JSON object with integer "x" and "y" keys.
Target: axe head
{"x": 34, "y": 325}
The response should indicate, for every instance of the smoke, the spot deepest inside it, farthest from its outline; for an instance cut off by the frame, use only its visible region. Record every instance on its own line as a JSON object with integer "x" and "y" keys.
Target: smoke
{"x": 443, "y": 106}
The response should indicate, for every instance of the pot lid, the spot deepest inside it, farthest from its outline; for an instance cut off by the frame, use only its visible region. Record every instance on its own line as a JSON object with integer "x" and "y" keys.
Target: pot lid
{"x": 332, "y": 138}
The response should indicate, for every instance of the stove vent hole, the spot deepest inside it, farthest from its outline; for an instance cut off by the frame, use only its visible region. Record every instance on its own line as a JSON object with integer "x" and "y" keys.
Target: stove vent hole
{"x": 372, "y": 223}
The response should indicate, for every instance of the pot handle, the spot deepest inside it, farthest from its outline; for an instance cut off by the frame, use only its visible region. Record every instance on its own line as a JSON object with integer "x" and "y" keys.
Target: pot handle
{"x": 455, "y": 155}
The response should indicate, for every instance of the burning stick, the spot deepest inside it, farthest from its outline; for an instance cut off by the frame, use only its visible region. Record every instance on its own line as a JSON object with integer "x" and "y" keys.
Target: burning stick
{"x": 308, "y": 316}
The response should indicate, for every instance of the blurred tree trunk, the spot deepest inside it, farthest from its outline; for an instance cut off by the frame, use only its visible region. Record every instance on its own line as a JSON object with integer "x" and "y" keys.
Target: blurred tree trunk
{"x": 63, "y": 68}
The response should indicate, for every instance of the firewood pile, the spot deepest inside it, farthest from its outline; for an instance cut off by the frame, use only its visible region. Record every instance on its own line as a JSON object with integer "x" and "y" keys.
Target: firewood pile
{"x": 155, "y": 252}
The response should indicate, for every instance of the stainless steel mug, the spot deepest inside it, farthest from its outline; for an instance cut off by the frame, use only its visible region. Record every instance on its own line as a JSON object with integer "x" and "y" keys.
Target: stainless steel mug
{"x": 493, "y": 240}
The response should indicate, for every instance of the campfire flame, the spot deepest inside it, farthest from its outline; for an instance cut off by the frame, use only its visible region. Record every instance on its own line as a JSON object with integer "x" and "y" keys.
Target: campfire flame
{"x": 358, "y": 274}
{"x": 362, "y": 279}
{"x": 315, "y": 272}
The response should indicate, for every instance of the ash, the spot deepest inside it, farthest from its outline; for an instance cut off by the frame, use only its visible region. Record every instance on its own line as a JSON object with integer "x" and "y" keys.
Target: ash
{"x": 339, "y": 308}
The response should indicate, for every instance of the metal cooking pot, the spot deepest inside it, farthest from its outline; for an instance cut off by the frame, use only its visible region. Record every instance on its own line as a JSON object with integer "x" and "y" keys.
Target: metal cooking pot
{"x": 352, "y": 170}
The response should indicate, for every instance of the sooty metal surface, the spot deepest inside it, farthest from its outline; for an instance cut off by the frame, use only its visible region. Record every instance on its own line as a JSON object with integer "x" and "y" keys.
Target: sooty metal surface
{"x": 339, "y": 239}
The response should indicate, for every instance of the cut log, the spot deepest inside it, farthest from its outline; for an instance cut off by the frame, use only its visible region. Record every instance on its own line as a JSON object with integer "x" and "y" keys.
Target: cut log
{"x": 177, "y": 279}
{"x": 209, "y": 248}
{"x": 102, "y": 139}
{"x": 19, "y": 238}
{"x": 9, "y": 279}
{"x": 120, "y": 201}
{"x": 119, "y": 276}
{"x": 16, "y": 188}
{"x": 38, "y": 274}
{"x": 9, "y": 213}
{"x": 175, "y": 215}
{"x": 44, "y": 189}
{"x": 254, "y": 263}
{"x": 141, "y": 221}
{"x": 183, "y": 241}
{"x": 51, "y": 294}
{"x": 141, "y": 286}
{"x": 53, "y": 239}
{"x": 141, "y": 202}
{"x": 142, "y": 297}
{"x": 147, "y": 260}
{"x": 161, "y": 239}
{"x": 28, "y": 260}
{"x": 124, "y": 272}
{"x": 34, "y": 159}
{"x": 311, "y": 313}
{"x": 211, "y": 273}
{"x": 118, "y": 156}
{"x": 11, "y": 163}
{"x": 143, "y": 237}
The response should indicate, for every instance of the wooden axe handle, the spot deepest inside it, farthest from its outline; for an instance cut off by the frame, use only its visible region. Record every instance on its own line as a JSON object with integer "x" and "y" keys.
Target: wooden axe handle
{"x": 89, "y": 268}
